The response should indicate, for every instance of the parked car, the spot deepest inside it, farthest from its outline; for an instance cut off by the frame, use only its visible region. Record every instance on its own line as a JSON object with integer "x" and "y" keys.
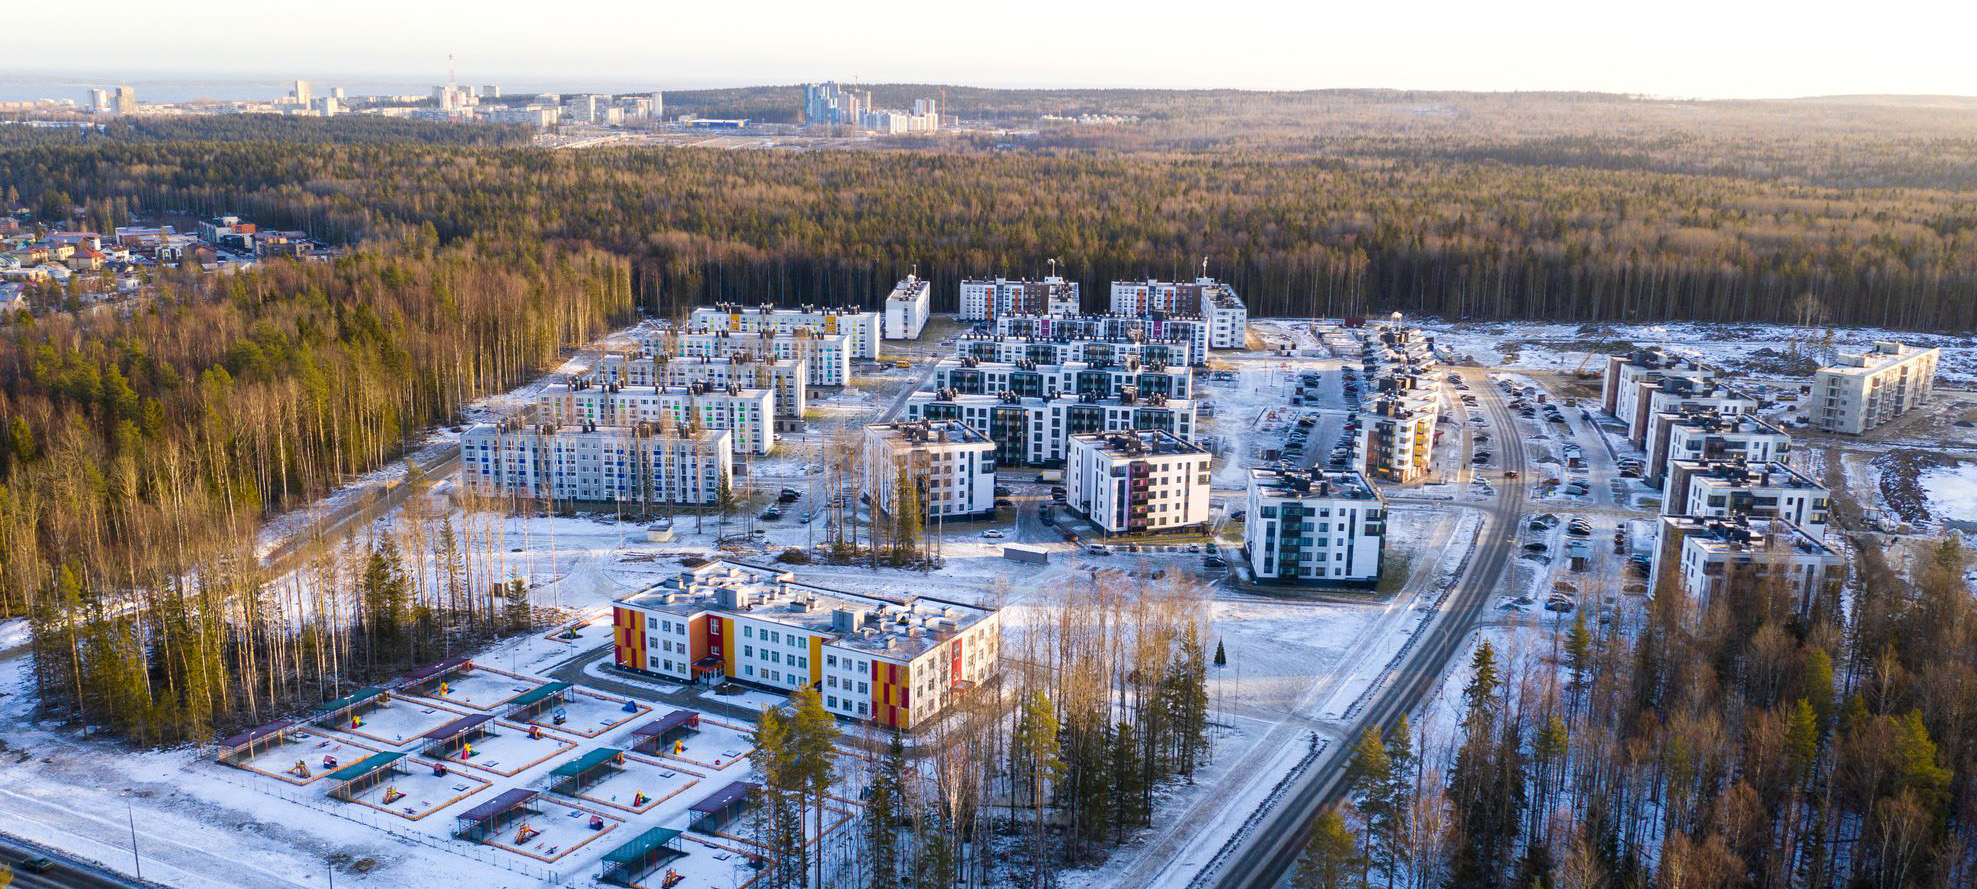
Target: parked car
{"x": 35, "y": 864}
{"x": 1099, "y": 549}
{"x": 1214, "y": 562}
{"x": 1003, "y": 491}
{"x": 992, "y": 534}
{"x": 771, "y": 514}
{"x": 806, "y": 517}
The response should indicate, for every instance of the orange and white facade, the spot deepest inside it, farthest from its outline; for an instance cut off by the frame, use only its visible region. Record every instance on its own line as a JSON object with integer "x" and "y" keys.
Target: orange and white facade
{"x": 890, "y": 662}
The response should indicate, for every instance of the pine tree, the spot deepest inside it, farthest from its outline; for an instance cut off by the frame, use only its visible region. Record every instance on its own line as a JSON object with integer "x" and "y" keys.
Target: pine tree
{"x": 1034, "y": 746}
{"x": 1331, "y": 855}
{"x": 882, "y": 816}
{"x": 1221, "y": 658}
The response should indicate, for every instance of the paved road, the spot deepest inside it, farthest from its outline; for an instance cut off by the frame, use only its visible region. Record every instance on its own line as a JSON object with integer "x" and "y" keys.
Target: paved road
{"x": 1265, "y": 856}
{"x": 66, "y": 874}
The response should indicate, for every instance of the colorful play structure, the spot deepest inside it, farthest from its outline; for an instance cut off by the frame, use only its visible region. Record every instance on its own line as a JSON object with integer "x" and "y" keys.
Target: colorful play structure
{"x": 348, "y": 711}
{"x": 457, "y": 738}
{"x": 625, "y": 865}
{"x": 350, "y": 781}
{"x": 435, "y": 676}
{"x": 721, "y": 808}
{"x": 668, "y": 731}
{"x": 489, "y": 818}
{"x": 572, "y": 777}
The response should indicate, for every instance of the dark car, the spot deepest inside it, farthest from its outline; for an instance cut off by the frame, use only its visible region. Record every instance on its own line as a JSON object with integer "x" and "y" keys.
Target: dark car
{"x": 1214, "y": 562}
{"x": 35, "y": 864}
{"x": 1002, "y": 491}
{"x": 771, "y": 514}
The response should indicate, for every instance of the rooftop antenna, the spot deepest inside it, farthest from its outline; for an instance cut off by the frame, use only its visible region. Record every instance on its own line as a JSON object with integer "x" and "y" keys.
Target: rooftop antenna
{"x": 1053, "y": 266}
{"x": 1204, "y": 266}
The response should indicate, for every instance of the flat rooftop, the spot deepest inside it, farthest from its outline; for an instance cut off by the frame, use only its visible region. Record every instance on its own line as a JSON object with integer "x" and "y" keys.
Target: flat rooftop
{"x": 1771, "y": 474}
{"x": 1141, "y": 443}
{"x": 550, "y": 390}
{"x": 893, "y": 627}
{"x": 1883, "y": 355}
{"x": 1709, "y": 421}
{"x": 1148, "y": 400}
{"x": 912, "y": 287}
{"x": 1748, "y": 536}
{"x": 772, "y": 309}
{"x": 915, "y": 432}
{"x": 1271, "y": 484}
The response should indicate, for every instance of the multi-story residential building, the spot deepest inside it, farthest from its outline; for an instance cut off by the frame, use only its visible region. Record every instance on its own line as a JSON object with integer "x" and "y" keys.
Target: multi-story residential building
{"x": 861, "y": 327}
{"x": 1619, "y": 387}
{"x": 983, "y": 299}
{"x": 1748, "y": 490}
{"x": 1131, "y": 328}
{"x": 1708, "y": 436}
{"x": 748, "y": 413}
{"x": 1314, "y": 527}
{"x": 1712, "y": 557}
{"x": 1037, "y": 431}
{"x": 828, "y": 357}
{"x": 788, "y": 379}
{"x": 890, "y": 662}
{"x": 1136, "y": 482}
{"x": 1397, "y": 438}
{"x": 1677, "y": 395}
{"x": 967, "y": 376}
{"x": 988, "y": 347}
{"x": 637, "y": 464}
{"x": 907, "y": 308}
{"x": 1215, "y": 302}
{"x": 1868, "y": 389}
{"x": 951, "y": 466}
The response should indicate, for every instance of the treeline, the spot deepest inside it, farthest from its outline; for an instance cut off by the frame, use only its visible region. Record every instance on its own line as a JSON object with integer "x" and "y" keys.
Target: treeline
{"x": 143, "y": 450}
{"x": 1297, "y": 237}
{"x": 1750, "y": 741}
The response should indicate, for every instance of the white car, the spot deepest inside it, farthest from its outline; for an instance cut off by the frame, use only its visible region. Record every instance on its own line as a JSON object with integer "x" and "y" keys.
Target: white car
{"x": 992, "y": 533}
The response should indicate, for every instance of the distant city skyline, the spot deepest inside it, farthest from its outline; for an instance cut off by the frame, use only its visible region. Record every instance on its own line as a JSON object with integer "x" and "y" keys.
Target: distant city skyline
{"x": 1686, "y": 48}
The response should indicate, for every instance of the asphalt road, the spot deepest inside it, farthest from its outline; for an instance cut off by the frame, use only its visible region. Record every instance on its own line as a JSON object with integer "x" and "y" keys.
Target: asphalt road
{"x": 1264, "y": 858}
{"x": 66, "y": 874}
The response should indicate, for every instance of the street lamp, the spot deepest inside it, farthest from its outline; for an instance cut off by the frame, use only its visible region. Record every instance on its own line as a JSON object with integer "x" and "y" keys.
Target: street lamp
{"x": 131, "y": 817}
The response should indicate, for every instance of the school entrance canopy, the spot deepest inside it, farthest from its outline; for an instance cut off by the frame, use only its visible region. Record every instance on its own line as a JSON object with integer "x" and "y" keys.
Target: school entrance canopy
{"x": 423, "y": 677}
{"x": 249, "y": 743}
{"x": 720, "y": 808}
{"x": 530, "y": 704}
{"x": 655, "y": 735}
{"x": 627, "y": 863}
{"x": 446, "y": 739}
{"x": 340, "y": 710}
{"x": 489, "y": 817}
{"x": 585, "y": 770}
{"x": 363, "y": 774}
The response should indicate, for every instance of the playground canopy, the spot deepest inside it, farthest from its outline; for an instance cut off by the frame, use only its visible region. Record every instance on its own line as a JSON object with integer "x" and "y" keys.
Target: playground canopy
{"x": 352, "y": 779}
{"x": 534, "y": 700}
{"x": 456, "y": 728}
{"x": 648, "y": 850}
{"x": 574, "y": 775}
{"x": 424, "y": 675}
{"x": 656, "y": 733}
{"x": 488, "y": 817}
{"x": 247, "y": 743}
{"x": 717, "y": 806}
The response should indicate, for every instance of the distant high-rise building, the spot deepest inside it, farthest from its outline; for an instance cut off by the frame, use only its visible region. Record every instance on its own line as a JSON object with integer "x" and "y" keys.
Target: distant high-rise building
{"x": 300, "y": 93}
{"x": 658, "y": 104}
{"x": 490, "y": 91}
{"x": 99, "y": 100}
{"x": 337, "y": 94}
{"x": 126, "y": 100}
{"x": 830, "y": 104}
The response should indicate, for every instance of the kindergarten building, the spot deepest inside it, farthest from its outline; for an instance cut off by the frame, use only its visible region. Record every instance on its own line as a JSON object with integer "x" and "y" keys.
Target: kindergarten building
{"x": 891, "y": 662}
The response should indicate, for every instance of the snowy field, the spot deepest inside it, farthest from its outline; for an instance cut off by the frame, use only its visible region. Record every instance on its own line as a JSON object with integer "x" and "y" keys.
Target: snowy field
{"x": 415, "y": 792}
{"x": 307, "y": 748}
{"x": 556, "y": 829}
{"x": 510, "y": 751}
{"x": 1951, "y": 491}
{"x": 399, "y": 721}
{"x": 481, "y": 689}
{"x": 656, "y": 781}
{"x": 590, "y": 713}
{"x": 717, "y": 745}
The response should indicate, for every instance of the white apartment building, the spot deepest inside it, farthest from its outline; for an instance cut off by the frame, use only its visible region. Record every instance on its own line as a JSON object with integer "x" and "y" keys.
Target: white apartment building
{"x": 1137, "y": 482}
{"x": 1716, "y": 557}
{"x": 1397, "y": 438}
{"x": 748, "y": 413}
{"x": 1739, "y": 490}
{"x": 1314, "y": 527}
{"x": 861, "y": 327}
{"x": 1684, "y": 396}
{"x": 1133, "y": 328}
{"x": 1708, "y": 436}
{"x": 1037, "y": 431}
{"x": 907, "y": 309}
{"x": 1620, "y": 386}
{"x": 967, "y": 376}
{"x": 1212, "y": 301}
{"x": 984, "y": 299}
{"x": 1868, "y": 389}
{"x": 595, "y": 464}
{"x": 952, "y": 465}
{"x": 989, "y": 347}
{"x": 890, "y": 662}
{"x": 828, "y": 357}
{"x": 788, "y": 379}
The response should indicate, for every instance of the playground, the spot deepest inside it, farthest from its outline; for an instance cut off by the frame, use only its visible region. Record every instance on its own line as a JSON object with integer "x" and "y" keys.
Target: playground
{"x": 508, "y": 750}
{"x": 588, "y": 713}
{"x": 397, "y": 721}
{"x": 717, "y": 745}
{"x": 413, "y": 791}
{"x": 481, "y": 688}
{"x": 298, "y": 755}
{"x": 639, "y": 784}
{"x": 552, "y": 830}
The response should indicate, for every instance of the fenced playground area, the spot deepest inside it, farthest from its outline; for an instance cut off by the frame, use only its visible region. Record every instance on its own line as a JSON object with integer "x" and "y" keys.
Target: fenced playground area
{"x": 566, "y": 781}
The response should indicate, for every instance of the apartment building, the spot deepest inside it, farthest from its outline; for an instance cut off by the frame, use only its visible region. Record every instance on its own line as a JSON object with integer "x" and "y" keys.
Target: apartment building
{"x": 1867, "y": 389}
{"x": 1397, "y": 438}
{"x": 1713, "y": 557}
{"x": 890, "y": 662}
{"x": 748, "y": 413}
{"x": 1684, "y": 396}
{"x": 1705, "y": 435}
{"x": 1165, "y": 353}
{"x": 787, "y": 378}
{"x": 637, "y": 464}
{"x": 907, "y": 308}
{"x": 1142, "y": 328}
{"x": 951, "y": 466}
{"x": 1619, "y": 386}
{"x": 1037, "y": 431}
{"x": 984, "y": 299}
{"x": 1138, "y": 482}
{"x": 968, "y": 376}
{"x": 861, "y": 328}
{"x": 828, "y": 358}
{"x": 1314, "y": 527}
{"x": 1747, "y": 490}
{"x": 1215, "y": 302}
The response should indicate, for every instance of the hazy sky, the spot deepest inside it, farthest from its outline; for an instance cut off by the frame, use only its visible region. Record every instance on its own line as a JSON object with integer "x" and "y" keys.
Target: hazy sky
{"x": 1720, "y": 48}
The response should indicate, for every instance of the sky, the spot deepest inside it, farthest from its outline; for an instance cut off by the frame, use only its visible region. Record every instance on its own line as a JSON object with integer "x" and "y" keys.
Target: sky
{"x": 1674, "y": 48}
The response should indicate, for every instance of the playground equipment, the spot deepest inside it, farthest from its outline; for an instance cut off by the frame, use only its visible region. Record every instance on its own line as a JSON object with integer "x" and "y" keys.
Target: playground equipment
{"x": 535, "y": 732}
{"x": 525, "y": 833}
{"x": 467, "y": 751}
{"x": 639, "y": 799}
{"x": 596, "y": 822}
{"x": 356, "y": 722}
{"x": 679, "y": 747}
{"x": 329, "y": 762}
{"x": 439, "y": 770}
{"x": 630, "y": 707}
{"x": 300, "y": 769}
{"x": 445, "y": 689}
{"x": 560, "y": 716}
{"x": 392, "y": 795}
{"x": 671, "y": 879}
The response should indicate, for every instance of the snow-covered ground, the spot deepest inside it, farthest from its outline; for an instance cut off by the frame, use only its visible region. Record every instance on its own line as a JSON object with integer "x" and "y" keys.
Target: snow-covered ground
{"x": 1951, "y": 491}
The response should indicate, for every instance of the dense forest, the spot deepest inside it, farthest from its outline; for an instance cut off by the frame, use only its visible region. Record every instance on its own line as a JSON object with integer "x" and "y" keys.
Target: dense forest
{"x": 1740, "y": 742}
{"x": 1296, "y": 235}
{"x": 142, "y": 451}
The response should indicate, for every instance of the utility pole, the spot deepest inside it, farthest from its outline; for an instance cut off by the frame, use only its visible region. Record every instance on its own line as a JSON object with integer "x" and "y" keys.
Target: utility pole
{"x": 131, "y": 817}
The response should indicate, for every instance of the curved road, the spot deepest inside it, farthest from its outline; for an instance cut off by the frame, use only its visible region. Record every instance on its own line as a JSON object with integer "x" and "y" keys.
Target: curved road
{"x": 1265, "y": 856}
